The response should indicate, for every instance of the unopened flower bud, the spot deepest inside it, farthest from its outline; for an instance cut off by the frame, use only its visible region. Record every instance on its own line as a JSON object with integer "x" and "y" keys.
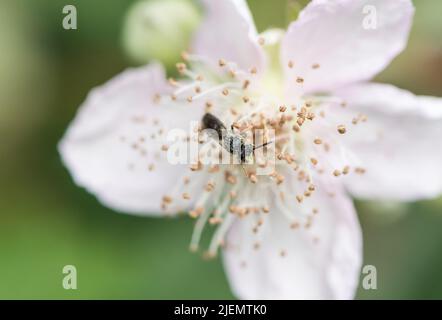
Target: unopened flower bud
{"x": 159, "y": 30}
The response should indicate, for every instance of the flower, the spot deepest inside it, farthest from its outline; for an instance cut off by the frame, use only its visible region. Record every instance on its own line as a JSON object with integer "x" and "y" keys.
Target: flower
{"x": 292, "y": 233}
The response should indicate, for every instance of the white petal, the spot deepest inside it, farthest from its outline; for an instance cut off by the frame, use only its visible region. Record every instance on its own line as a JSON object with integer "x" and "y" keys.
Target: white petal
{"x": 228, "y": 33}
{"x": 322, "y": 262}
{"x": 332, "y": 35}
{"x": 400, "y": 145}
{"x": 112, "y": 148}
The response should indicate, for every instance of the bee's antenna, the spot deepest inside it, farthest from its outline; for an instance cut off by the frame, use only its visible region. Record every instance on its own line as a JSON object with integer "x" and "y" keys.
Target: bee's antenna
{"x": 263, "y": 145}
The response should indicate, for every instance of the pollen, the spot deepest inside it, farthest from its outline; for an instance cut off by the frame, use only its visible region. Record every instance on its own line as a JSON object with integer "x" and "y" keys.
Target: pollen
{"x": 299, "y": 80}
{"x": 291, "y": 64}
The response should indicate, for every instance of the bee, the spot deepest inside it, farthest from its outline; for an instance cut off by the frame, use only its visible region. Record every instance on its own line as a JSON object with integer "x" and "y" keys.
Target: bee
{"x": 234, "y": 143}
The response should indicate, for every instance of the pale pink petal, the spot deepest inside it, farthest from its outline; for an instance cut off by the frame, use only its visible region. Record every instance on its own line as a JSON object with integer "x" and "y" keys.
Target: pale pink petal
{"x": 330, "y": 47}
{"x": 228, "y": 32}
{"x": 400, "y": 145}
{"x": 113, "y": 146}
{"x": 322, "y": 262}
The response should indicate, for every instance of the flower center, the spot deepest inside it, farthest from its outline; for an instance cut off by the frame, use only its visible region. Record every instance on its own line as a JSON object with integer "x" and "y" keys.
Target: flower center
{"x": 300, "y": 138}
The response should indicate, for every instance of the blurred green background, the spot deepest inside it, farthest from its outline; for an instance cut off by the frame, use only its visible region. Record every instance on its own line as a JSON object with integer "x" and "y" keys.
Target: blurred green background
{"x": 47, "y": 222}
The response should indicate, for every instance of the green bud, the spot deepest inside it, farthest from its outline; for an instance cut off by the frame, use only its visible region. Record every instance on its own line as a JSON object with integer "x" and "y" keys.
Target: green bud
{"x": 159, "y": 30}
{"x": 294, "y": 7}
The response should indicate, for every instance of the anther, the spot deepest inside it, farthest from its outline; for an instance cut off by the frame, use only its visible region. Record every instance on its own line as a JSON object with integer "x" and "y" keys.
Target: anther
{"x": 360, "y": 170}
{"x": 173, "y": 82}
{"x": 181, "y": 67}
{"x": 336, "y": 173}
{"x": 341, "y": 129}
{"x": 167, "y": 199}
{"x": 279, "y": 179}
{"x": 215, "y": 220}
{"x": 294, "y": 225}
{"x": 196, "y": 212}
{"x": 253, "y": 178}
{"x": 186, "y": 196}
